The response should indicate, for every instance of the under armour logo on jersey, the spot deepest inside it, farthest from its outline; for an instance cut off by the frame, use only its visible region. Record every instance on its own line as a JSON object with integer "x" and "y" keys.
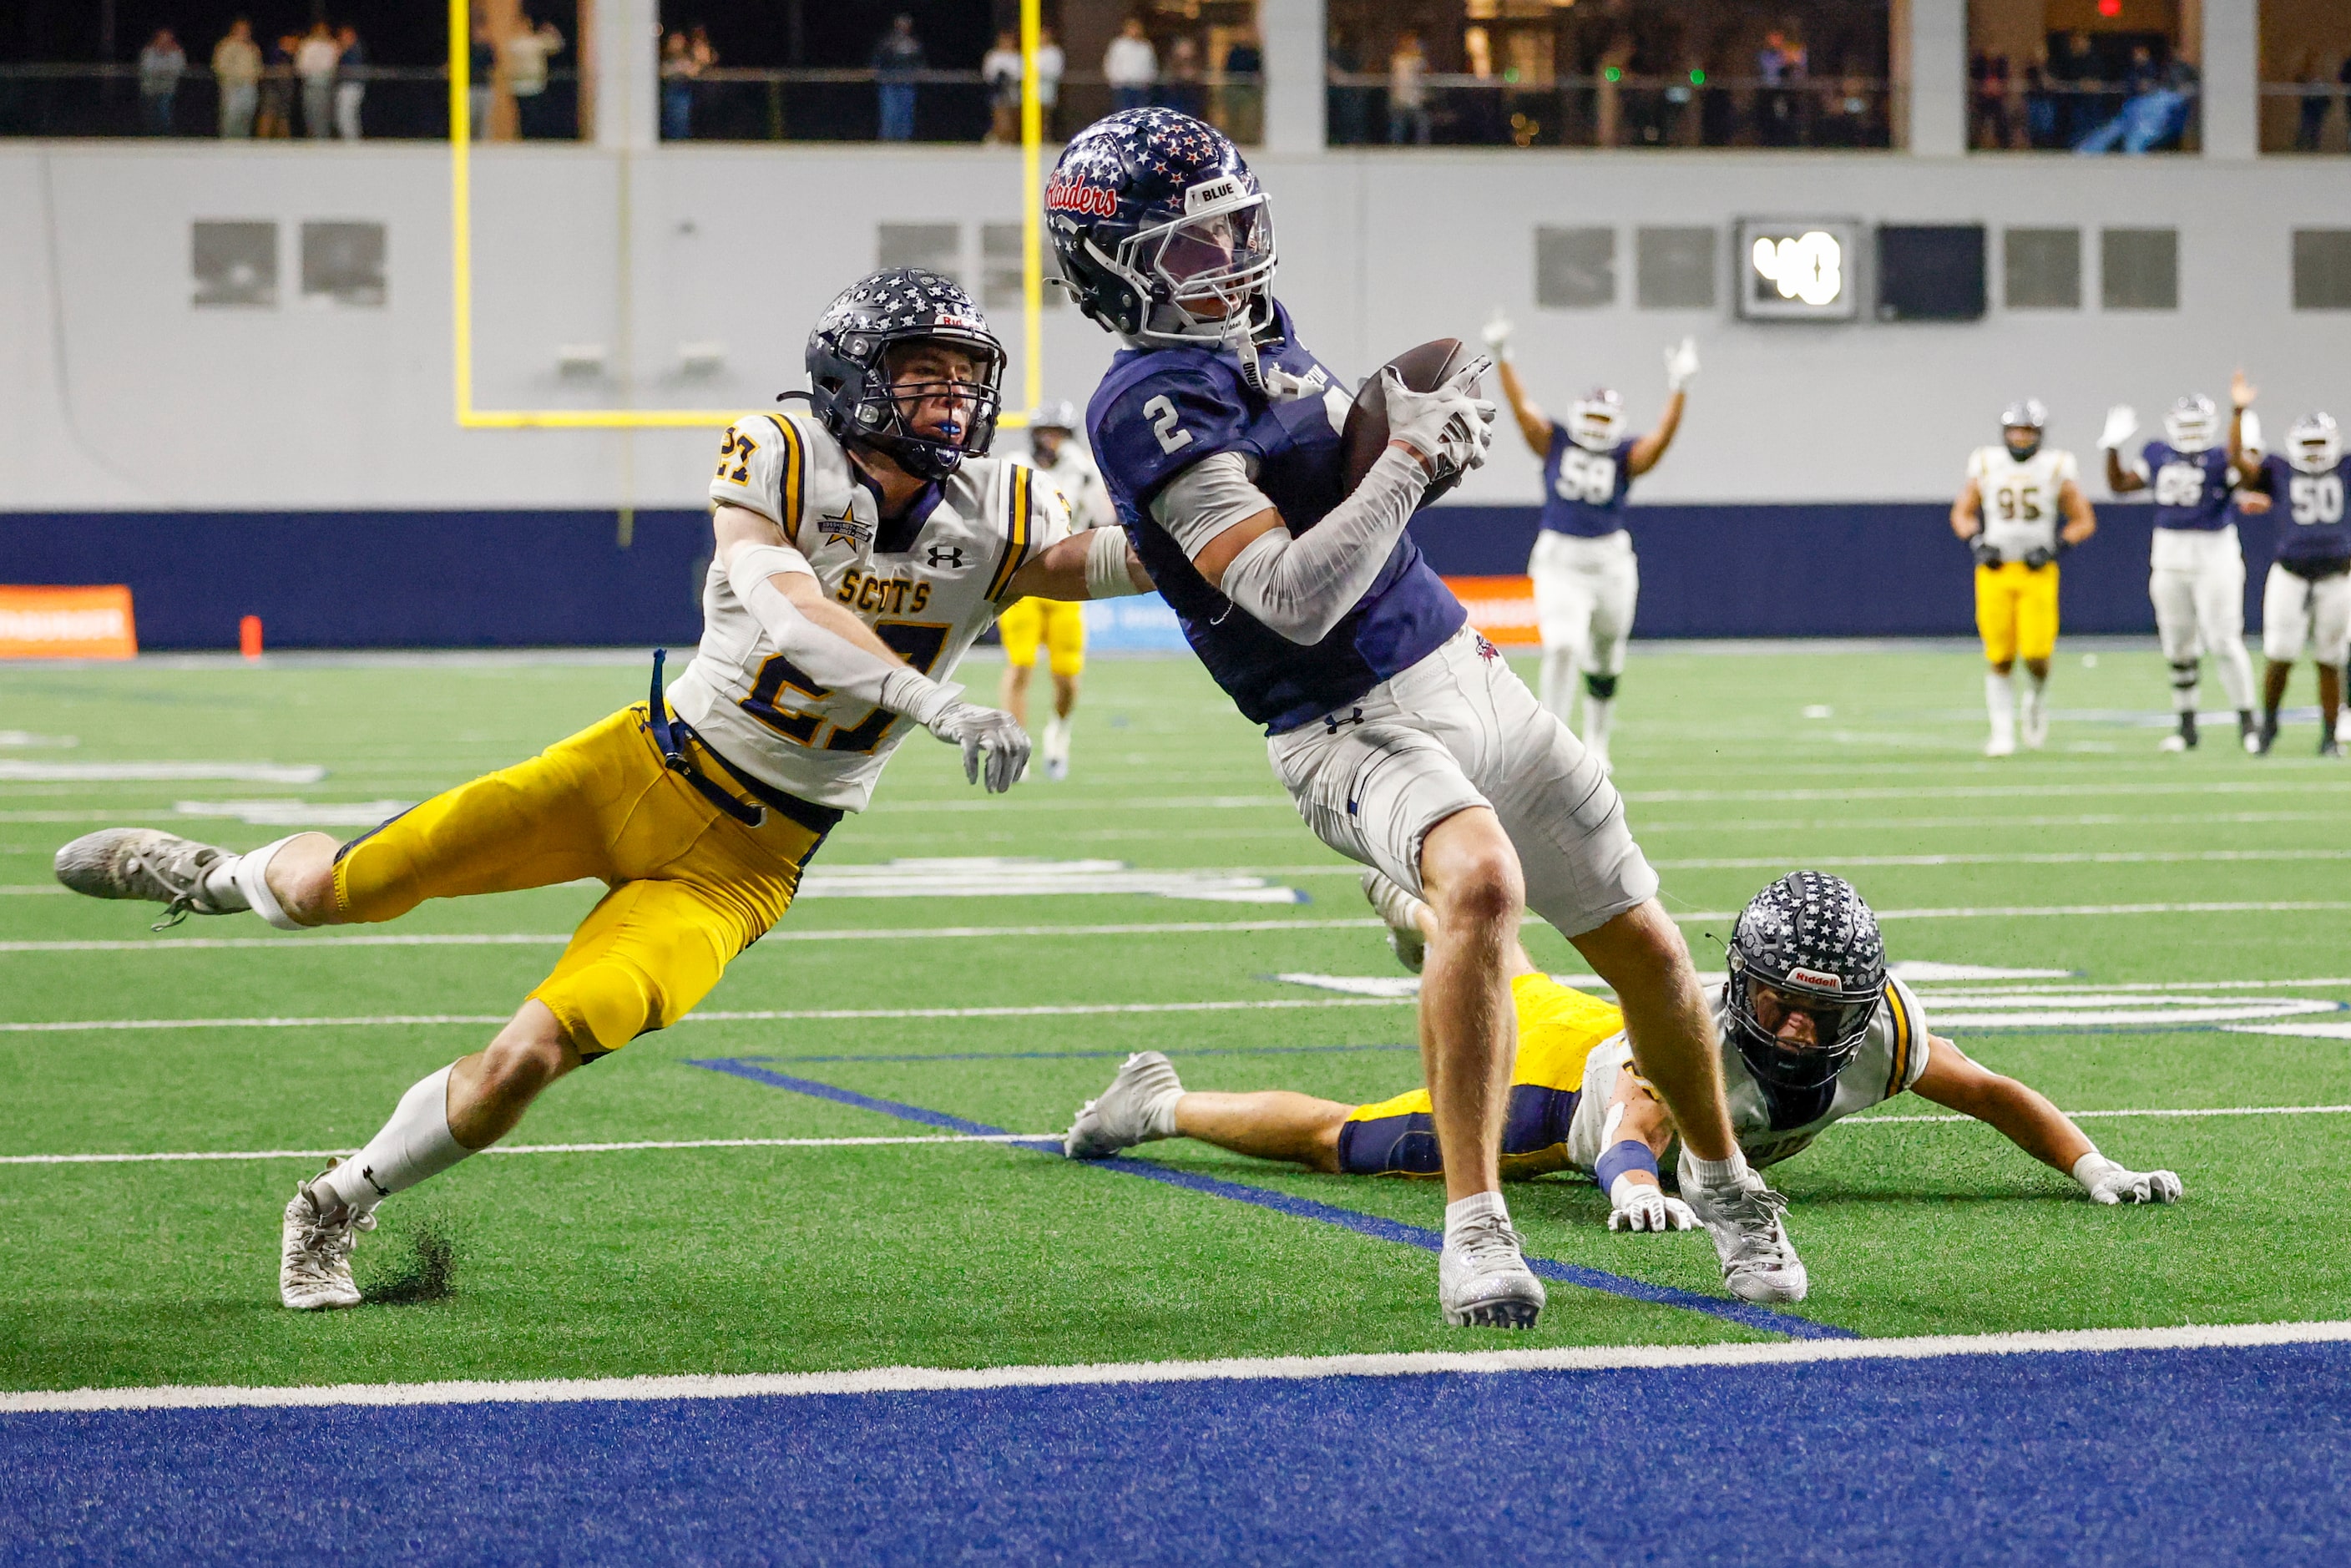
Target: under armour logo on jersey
{"x": 948, "y": 555}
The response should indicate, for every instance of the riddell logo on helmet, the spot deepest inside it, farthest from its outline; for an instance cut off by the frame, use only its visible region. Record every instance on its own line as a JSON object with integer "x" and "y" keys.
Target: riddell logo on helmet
{"x": 1068, "y": 195}
{"x": 1815, "y": 978}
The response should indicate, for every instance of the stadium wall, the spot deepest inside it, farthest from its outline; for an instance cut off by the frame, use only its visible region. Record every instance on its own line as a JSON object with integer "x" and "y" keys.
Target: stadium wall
{"x": 116, "y": 391}
{"x": 557, "y": 578}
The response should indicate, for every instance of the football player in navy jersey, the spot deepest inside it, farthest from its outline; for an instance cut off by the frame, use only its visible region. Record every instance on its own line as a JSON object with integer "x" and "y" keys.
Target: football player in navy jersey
{"x": 2197, "y": 567}
{"x": 1401, "y": 734}
{"x": 1586, "y": 577}
{"x": 2306, "y": 600}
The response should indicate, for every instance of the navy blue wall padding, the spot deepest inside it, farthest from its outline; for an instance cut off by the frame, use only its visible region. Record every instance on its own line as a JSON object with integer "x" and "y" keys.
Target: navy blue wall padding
{"x": 509, "y": 578}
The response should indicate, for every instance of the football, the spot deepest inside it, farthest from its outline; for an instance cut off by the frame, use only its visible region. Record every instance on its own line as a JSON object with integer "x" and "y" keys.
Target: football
{"x": 1365, "y": 435}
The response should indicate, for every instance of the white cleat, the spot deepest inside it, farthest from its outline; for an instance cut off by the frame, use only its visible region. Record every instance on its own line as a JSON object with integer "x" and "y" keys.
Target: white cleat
{"x": 2001, "y": 744}
{"x": 142, "y": 863}
{"x": 2343, "y": 727}
{"x": 1056, "y": 769}
{"x": 2174, "y": 742}
{"x": 1401, "y": 911}
{"x": 1758, "y": 1262}
{"x": 2036, "y": 725}
{"x": 1138, "y": 1106}
{"x": 1483, "y": 1280}
{"x": 314, "y": 1269}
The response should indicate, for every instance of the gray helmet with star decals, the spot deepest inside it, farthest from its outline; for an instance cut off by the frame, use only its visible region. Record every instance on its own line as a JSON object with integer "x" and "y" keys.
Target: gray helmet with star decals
{"x": 849, "y": 374}
{"x": 1805, "y": 944}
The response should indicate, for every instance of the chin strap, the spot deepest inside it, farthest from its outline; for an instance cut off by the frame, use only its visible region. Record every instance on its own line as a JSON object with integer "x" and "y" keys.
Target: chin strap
{"x": 1245, "y": 346}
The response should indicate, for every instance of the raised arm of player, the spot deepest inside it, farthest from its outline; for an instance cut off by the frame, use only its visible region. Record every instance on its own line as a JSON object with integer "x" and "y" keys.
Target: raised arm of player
{"x": 2034, "y": 1125}
{"x": 1300, "y": 586}
{"x": 775, "y": 584}
{"x": 1533, "y": 424}
{"x": 2243, "y": 458}
{"x": 1681, "y": 365}
{"x": 2121, "y": 425}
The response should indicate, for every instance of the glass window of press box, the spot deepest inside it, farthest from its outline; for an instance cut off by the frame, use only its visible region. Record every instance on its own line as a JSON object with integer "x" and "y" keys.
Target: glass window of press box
{"x": 2306, "y": 63}
{"x": 1613, "y": 73}
{"x": 2120, "y": 77}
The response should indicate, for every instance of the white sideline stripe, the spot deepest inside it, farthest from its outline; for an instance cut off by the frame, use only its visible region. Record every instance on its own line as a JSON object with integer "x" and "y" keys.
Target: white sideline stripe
{"x": 2017, "y": 911}
{"x": 1965, "y": 791}
{"x": 2084, "y": 1116}
{"x": 142, "y": 772}
{"x": 2126, "y": 857}
{"x": 538, "y": 1149}
{"x": 290, "y": 944}
{"x": 1288, "y": 1368}
{"x": 1074, "y": 1009}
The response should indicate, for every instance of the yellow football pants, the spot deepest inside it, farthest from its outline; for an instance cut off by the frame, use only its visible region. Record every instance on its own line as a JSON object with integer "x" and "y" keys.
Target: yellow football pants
{"x": 2016, "y": 611}
{"x": 691, "y": 886}
{"x": 1060, "y": 624}
{"x": 1559, "y": 1029}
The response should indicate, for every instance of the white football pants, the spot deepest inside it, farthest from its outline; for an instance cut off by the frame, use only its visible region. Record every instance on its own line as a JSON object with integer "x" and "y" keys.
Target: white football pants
{"x": 1584, "y": 593}
{"x": 2198, "y": 583}
{"x": 2297, "y": 613}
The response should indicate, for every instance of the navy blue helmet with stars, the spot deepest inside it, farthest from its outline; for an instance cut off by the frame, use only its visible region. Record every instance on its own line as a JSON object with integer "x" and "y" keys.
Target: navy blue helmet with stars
{"x": 1810, "y": 938}
{"x": 1162, "y": 232}
{"x": 849, "y": 374}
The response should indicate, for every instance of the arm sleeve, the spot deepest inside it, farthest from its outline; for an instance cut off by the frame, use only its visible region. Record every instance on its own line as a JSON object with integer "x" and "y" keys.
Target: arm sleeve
{"x": 824, "y": 656}
{"x": 1207, "y": 498}
{"x": 762, "y": 468}
{"x": 1301, "y": 587}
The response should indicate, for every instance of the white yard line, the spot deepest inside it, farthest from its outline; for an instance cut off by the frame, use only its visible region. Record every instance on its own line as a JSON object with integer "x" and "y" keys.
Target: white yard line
{"x": 2041, "y": 791}
{"x": 922, "y": 1379}
{"x": 1078, "y": 1009}
{"x": 2084, "y": 1116}
{"x": 529, "y": 939}
{"x": 535, "y": 1148}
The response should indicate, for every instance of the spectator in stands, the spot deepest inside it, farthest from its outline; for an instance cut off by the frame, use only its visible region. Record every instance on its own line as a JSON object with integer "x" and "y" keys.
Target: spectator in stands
{"x": 1001, "y": 69}
{"x": 161, "y": 64}
{"x": 350, "y": 85}
{"x": 2155, "y": 114}
{"x": 2075, "y": 75}
{"x": 2043, "y": 112}
{"x": 1408, "y": 92}
{"x": 1349, "y": 108}
{"x": 1130, "y": 66}
{"x": 1182, "y": 88}
{"x": 1988, "y": 75}
{"x": 677, "y": 73}
{"x": 526, "y": 53}
{"x": 2310, "y": 124}
{"x": 1052, "y": 64}
{"x": 1780, "y": 65}
{"x": 897, "y": 57}
{"x": 236, "y": 71}
{"x": 1244, "y": 92}
{"x": 314, "y": 63}
{"x": 276, "y": 117}
{"x": 481, "y": 80}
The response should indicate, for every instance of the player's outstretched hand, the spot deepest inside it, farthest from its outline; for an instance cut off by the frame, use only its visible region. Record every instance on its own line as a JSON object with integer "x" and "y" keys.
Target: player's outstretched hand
{"x": 2252, "y": 503}
{"x": 2241, "y": 393}
{"x": 1681, "y": 364}
{"x": 2122, "y": 423}
{"x": 1647, "y": 1208}
{"x": 1451, "y": 428}
{"x": 989, "y": 738}
{"x": 2112, "y": 1184}
{"x": 1496, "y": 334}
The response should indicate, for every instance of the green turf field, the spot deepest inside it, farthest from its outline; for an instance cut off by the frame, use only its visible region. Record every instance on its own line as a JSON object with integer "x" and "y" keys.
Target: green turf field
{"x": 1738, "y": 767}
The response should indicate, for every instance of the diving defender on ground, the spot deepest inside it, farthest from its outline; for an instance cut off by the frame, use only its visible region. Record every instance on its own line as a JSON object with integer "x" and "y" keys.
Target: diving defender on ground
{"x": 2197, "y": 571}
{"x": 2008, "y": 511}
{"x": 860, "y": 549}
{"x": 2306, "y": 599}
{"x": 1060, "y": 626}
{"x": 1586, "y": 579}
{"x": 1403, "y": 738}
{"x": 1814, "y": 1028}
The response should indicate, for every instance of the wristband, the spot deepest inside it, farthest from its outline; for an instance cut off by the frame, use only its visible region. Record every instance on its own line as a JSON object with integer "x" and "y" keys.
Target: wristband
{"x": 1106, "y": 575}
{"x": 1621, "y": 1159}
{"x": 915, "y": 695}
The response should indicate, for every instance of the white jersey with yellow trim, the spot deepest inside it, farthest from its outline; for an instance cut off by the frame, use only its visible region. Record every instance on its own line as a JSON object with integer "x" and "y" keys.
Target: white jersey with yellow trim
{"x": 1892, "y": 1056}
{"x": 2021, "y": 514}
{"x": 1074, "y": 474}
{"x": 928, "y": 586}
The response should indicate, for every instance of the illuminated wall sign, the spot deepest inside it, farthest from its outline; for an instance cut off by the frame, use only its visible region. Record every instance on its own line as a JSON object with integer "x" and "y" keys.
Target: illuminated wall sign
{"x": 1799, "y": 269}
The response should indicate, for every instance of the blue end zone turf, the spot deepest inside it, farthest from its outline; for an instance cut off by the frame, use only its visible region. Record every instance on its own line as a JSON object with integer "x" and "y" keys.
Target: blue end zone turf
{"x": 2138, "y": 1456}
{"x": 1395, "y": 1230}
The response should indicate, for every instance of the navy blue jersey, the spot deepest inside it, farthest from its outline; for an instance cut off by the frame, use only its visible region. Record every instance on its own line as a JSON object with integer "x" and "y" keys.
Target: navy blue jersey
{"x": 2191, "y": 489}
{"x": 1583, "y": 491}
{"x": 1158, "y": 412}
{"x": 2308, "y": 511}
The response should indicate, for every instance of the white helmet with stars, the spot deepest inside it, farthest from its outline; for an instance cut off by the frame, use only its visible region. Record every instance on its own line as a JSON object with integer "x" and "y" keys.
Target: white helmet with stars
{"x": 1595, "y": 421}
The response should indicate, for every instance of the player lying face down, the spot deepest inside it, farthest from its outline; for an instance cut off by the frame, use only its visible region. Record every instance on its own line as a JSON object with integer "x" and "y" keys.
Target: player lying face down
{"x": 1813, "y": 1029}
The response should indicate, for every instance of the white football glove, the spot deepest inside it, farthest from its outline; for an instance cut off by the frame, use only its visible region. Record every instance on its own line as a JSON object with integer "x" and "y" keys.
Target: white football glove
{"x": 1498, "y": 334}
{"x": 985, "y": 734}
{"x": 2108, "y": 1182}
{"x": 2121, "y": 425}
{"x": 1641, "y": 1206}
{"x": 1681, "y": 364}
{"x": 1451, "y": 427}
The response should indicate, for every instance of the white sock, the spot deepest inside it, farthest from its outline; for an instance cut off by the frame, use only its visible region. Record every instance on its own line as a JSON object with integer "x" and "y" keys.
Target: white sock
{"x": 1056, "y": 739}
{"x": 1717, "y": 1173}
{"x": 2000, "y": 701}
{"x": 1556, "y": 687}
{"x": 1596, "y": 714}
{"x": 251, "y": 876}
{"x": 2036, "y": 689}
{"x": 1159, "y": 1116}
{"x": 1477, "y": 1206}
{"x": 220, "y": 886}
{"x": 416, "y": 1143}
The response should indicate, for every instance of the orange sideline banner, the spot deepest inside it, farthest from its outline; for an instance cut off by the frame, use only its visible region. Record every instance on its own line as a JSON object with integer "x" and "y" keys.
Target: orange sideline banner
{"x": 67, "y": 623}
{"x": 1501, "y": 608}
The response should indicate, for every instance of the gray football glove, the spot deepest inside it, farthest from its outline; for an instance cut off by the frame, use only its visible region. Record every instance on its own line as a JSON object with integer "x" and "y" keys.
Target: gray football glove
{"x": 988, "y": 737}
{"x": 1986, "y": 552}
{"x": 1451, "y": 427}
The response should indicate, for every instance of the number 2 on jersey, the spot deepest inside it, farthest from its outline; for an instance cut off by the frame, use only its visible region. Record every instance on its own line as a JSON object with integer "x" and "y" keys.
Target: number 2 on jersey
{"x": 780, "y": 681}
{"x": 1172, "y": 438}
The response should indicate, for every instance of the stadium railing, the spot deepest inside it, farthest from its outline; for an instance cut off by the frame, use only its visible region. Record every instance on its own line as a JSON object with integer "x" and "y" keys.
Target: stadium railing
{"x": 1619, "y": 108}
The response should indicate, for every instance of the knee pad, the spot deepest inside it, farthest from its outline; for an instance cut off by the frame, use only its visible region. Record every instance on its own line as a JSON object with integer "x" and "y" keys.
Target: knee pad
{"x": 1602, "y": 688}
